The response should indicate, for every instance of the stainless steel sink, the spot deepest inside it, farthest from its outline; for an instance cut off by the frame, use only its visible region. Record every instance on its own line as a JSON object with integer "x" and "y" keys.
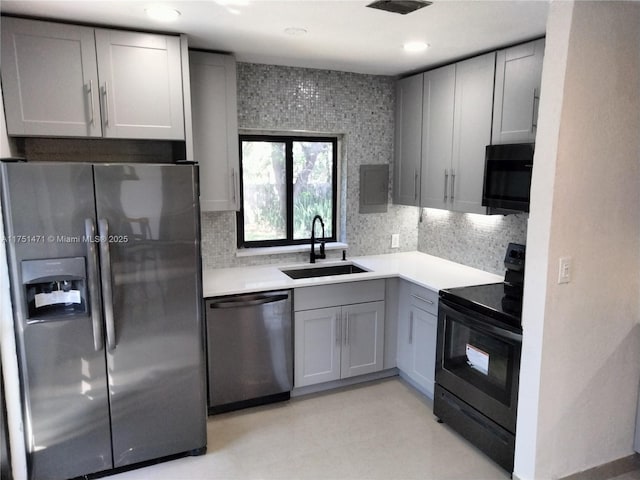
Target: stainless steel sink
{"x": 325, "y": 271}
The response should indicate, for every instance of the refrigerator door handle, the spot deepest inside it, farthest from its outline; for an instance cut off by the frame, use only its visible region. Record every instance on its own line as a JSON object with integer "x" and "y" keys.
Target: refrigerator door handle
{"x": 92, "y": 268}
{"x": 105, "y": 275}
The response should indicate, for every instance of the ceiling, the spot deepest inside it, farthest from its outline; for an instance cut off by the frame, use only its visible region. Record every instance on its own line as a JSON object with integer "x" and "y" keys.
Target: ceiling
{"x": 340, "y": 34}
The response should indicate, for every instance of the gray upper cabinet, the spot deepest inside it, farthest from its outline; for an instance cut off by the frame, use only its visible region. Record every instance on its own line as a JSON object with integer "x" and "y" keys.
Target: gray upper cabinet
{"x": 69, "y": 80}
{"x": 437, "y": 136}
{"x": 471, "y": 132}
{"x": 141, "y": 85}
{"x": 49, "y": 79}
{"x": 215, "y": 129}
{"x": 517, "y": 93}
{"x": 406, "y": 177}
{"x": 457, "y": 108}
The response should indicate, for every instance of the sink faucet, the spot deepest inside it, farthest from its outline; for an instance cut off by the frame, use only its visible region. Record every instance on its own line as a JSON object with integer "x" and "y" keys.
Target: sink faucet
{"x": 314, "y": 255}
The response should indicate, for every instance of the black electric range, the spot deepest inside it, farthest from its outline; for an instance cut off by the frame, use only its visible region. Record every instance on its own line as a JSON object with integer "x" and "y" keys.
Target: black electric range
{"x": 478, "y": 360}
{"x": 490, "y": 300}
{"x": 499, "y": 301}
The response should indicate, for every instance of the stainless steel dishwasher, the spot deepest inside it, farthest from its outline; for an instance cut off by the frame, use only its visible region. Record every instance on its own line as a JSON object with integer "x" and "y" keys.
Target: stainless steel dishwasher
{"x": 249, "y": 350}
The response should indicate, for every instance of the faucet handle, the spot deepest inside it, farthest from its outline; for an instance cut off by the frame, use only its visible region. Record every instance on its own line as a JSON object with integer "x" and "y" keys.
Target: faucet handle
{"x": 322, "y": 254}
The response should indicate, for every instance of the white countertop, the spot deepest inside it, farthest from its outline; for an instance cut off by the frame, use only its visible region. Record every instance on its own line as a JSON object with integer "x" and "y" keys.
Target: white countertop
{"x": 426, "y": 270}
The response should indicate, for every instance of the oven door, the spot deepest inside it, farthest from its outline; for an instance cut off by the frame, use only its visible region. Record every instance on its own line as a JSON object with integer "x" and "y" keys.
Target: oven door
{"x": 478, "y": 361}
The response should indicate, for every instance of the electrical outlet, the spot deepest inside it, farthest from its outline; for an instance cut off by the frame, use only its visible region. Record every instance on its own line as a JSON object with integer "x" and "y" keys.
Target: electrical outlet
{"x": 564, "y": 270}
{"x": 395, "y": 240}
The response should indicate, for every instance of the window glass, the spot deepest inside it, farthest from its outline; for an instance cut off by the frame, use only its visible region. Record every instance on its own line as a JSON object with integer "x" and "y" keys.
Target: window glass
{"x": 264, "y": 190}
{"x": 286, "y": 182}
{"x": 312, "y": 187}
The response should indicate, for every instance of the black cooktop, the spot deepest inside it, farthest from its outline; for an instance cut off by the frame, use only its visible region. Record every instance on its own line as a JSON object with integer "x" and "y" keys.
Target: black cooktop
{"x": 488, "y": 299}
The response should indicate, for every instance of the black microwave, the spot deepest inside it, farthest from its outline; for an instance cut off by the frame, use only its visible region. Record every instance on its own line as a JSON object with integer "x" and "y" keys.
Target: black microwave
{"x": 507, "y": 177}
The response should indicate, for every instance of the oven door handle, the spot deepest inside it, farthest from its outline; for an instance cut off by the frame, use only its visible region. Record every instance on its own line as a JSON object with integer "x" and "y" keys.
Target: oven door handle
{"x": 463, "y": 317}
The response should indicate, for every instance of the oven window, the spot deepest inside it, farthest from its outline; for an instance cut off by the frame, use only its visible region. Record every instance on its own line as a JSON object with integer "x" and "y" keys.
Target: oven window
{"x": 480, "y": 359}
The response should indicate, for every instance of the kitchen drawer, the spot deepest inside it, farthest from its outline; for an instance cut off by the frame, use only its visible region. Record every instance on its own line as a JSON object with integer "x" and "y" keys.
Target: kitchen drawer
{"x": 423, "y": 298}
{"x": 308, "y": 298}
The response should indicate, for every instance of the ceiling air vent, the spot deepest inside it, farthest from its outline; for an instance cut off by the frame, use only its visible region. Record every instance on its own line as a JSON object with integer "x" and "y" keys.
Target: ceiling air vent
{"x": 399, "y": 6}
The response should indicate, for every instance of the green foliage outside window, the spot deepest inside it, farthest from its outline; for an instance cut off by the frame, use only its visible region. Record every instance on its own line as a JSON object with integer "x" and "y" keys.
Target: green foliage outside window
{"x": 264, "y": 177}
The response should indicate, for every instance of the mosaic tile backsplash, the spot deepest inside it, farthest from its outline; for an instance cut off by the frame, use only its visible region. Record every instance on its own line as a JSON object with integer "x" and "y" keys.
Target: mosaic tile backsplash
{"x": 475, "y": 240}
{"x": 359, "y": 108}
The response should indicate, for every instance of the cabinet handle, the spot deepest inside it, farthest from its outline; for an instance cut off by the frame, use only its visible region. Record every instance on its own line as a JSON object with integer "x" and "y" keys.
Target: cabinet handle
{"x": 446, "y": 184}
{"x": 453, "y": 183}
{"x": 346, "y": 330}
{"x": 338, "y": 330}
{"x": 418, "y": 297}
{"x": 415, "y": 184}
{"x": 410, "y": 327}
{"x": 105, "y": 99}
{"x": 536, "y": 97}
{"x": 92, "y": 107}
{"x": 233, "y": 186}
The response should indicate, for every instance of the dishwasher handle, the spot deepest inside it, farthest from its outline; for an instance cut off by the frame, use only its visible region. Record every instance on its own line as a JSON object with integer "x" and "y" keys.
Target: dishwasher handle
{"x": 253, "y": 301}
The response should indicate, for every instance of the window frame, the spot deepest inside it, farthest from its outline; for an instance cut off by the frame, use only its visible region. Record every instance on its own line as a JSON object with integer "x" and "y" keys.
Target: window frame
{"x": 288, "y": 140}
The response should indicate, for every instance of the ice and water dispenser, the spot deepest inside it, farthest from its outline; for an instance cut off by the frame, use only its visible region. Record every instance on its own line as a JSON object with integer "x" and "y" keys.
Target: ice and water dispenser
{"x": 54, "y": 288}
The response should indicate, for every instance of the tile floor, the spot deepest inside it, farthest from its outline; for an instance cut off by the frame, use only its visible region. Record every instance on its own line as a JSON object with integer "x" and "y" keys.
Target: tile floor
{"x": 381, "y": 430}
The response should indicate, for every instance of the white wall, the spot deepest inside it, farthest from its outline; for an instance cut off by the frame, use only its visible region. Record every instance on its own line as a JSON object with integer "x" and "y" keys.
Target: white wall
{"x": 581, "y": 351}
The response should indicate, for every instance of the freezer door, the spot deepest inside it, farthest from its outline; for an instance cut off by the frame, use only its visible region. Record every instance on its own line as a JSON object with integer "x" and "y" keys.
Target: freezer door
{"x": 152, "y": 302}
{"x": 47, "y": 208}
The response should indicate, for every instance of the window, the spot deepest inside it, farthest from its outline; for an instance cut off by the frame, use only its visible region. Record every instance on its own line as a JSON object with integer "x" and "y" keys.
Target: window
{"x": 286, "y": 181}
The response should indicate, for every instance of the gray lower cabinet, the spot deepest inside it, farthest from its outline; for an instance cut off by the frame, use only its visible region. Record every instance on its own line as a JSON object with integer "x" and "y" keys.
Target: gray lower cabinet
{"x": 76, "y": 81}
{"x": 215, "y": 129}
{"x": 339, "y": 341}
{"x": 407, "y": 162}
{"x": 417, "y": 335}
{"x": 517, "y": 93}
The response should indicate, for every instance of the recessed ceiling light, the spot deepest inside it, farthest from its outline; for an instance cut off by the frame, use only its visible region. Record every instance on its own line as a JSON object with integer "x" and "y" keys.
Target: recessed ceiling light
{"x": 415, "y": 46}
{"x": 295, "y": 31}
{"x": 162, "y": 13}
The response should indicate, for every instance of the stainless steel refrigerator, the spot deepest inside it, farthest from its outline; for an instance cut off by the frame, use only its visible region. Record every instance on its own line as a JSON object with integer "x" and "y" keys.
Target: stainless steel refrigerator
{"x": 104, "y": 263}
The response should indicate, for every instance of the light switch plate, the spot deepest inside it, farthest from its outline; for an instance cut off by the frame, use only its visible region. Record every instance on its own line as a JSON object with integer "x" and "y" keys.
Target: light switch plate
{"x": 395, "y": 240}
{"x": 564, "y": 269}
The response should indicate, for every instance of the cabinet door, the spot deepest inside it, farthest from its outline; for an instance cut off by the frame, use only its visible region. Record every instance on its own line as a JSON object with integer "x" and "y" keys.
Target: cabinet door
{"x": 363, "y": 338}
{"x": 140, "y": 85}
{"x": 472, "y": 131}
{"x": 406, "y": 182}
{"x": 50, "y": 79}
{"x": 423, "y": 354}
{"x": 317, "y": 346}
{"x": 437, "y": 136}
{"x": 517, "y": 93}
{"x": 404, "y": 327}
{"x": 215, "y": 129}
